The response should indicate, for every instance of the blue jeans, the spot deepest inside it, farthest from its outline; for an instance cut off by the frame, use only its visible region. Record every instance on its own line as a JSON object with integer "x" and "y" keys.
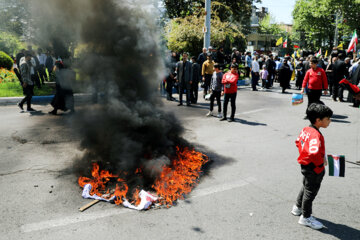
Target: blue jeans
{"x": 254, "y": 79}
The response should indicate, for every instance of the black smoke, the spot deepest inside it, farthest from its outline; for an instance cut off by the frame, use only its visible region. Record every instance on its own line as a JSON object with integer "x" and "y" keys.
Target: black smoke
{"x": 126, "y": 129}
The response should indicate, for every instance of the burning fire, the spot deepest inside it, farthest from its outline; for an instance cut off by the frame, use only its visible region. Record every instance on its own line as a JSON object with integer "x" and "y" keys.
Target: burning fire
{"x": 174, "y": 181}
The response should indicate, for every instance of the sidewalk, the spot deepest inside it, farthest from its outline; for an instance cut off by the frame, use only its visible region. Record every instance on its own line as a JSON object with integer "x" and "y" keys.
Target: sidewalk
{"x": 78, "y": 97}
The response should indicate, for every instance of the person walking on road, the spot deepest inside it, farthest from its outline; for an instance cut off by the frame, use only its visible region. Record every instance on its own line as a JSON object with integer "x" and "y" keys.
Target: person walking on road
{"x": 230, "y": 89}
{"x": 316, "y": 80}
{"x": 311, "y": 146}
{"x": 27, "y": 83}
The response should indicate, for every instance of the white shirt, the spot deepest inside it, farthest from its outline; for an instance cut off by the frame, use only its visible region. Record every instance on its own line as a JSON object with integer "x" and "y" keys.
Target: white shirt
{"x": 255, "y": 66}
{"x": 42, "y": 58}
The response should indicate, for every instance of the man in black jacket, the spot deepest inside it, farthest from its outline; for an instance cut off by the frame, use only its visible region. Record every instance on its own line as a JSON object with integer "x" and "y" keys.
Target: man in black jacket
{"x": 195, "y": 80}
{"x": 184, "y": 78}
{"x": 339, "y": 71}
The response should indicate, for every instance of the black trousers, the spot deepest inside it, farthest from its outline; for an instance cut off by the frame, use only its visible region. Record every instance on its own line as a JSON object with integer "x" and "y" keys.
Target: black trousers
{"x": 169, "y": 87}
{"x": 247, "y": 71}
{"x": 314, "y": 96}
{"x": 217, "y": 95}
{"x": 194, "y": 92}
{"x": 28, "y": 92}
{"x": 336, "y": 89}
{"x": 42, "y": 74}
{"x": 232, "y": 97}
{"x": 207, "y": 83}
{"x": 309, "y": 190}
{"x": 182, "y": 87}
{"x": 254, "y": 79}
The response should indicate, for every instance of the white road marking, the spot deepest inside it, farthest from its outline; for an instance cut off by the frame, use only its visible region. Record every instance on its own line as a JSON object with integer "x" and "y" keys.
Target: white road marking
{"x": 252, "y": 111}
{"x": 83, "y": 217}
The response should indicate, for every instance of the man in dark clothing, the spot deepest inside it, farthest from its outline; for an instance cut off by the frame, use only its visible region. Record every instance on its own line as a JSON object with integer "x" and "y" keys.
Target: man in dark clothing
{"x": 28, "y": 84}
{"x": 270, "y": 66}
{"x": 300, "y": 73}
{"x": 202, "y": 57}
{"x": 19, "y": 56}
{"x": 184, "y": 78}
{"x": 341, "y": 88}
{"x": 339, "y": 72}
{"x": 220, "y": 56}
{"x": 195, "y": 80}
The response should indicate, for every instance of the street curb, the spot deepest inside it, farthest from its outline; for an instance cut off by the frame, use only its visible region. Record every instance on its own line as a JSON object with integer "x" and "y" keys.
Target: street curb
{"x": 80, "y": 97}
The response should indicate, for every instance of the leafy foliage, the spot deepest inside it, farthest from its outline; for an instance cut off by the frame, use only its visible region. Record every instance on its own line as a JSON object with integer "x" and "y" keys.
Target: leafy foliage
{"x": 5, "y": 61}
{"x": 315, "y": 19}
{"x": 186, "y": 34}
{"x": 267, "y": 27}
{"x": 227, "y": 10}
{"x": 15, "y": 16}
{"x": 9, "y": 43}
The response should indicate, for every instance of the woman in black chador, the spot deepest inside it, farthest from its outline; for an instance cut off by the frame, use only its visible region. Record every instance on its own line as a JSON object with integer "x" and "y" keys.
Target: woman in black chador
{"x": 284, "y": 76}
{"x": 64, "y": 98}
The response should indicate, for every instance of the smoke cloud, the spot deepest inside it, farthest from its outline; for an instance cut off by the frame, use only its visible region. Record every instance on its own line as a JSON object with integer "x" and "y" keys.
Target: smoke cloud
{"x": 122, "y": 62}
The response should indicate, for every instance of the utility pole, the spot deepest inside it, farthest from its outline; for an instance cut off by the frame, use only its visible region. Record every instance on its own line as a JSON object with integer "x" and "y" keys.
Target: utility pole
{"x": 336, "y": 29}
{"x": 207, "y": 24}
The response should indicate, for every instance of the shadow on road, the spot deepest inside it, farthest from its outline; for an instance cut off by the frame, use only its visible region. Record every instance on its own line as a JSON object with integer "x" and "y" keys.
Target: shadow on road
{"x": 242, "y": 121}
{"x": 339, "y": 121}
{"x": 335, "y": 116}
{"x": 339, "y": 231}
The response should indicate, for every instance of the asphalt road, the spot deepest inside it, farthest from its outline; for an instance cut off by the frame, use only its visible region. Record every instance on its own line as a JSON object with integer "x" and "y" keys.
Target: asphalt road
{"x": 247, "y": 193}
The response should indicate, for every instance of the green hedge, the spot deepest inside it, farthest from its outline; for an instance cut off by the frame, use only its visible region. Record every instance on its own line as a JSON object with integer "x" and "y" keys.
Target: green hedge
{"x": 5, "y": 61}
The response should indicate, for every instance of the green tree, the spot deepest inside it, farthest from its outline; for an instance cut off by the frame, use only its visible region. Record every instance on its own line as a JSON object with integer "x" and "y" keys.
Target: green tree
{"x": 315, "y": 20}
{"x": 15, "y": 17}
{"x": 267, "y": 26}
{"x": 227, "y": 10}
{"x": 186, "y": 34}
{"x": 10, "y": 43}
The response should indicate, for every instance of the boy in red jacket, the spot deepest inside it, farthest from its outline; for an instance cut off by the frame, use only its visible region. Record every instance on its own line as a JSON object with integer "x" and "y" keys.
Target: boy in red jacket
{"x": 312, "y": 159}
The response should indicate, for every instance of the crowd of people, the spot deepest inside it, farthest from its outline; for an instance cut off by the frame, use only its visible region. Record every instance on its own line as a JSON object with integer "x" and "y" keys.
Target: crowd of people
{"x": 313, "y": 75}
{"x": 33, "y": 68}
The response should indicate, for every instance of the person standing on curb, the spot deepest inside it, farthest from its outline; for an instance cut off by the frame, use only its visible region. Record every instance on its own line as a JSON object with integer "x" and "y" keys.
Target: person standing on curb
{"x": 28, "y": 84}
{"x": 312, "y": 159}
{"x": 230, "y": 89}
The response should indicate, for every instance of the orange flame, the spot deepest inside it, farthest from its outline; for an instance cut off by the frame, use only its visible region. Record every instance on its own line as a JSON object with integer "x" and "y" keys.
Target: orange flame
{"x": 173, "y": 183}
{"x": 177, "y": 181}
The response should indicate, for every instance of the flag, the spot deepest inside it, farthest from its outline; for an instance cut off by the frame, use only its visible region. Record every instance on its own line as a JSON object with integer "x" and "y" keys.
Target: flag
{"x": 326, "y": 53}
{"x": 336, "y": 165}
{"x": 353, "y": 42}
{"x": 285, "y": 44}
{"x": 279, "y": 41}
{"x": 341, "y": 46}
{"x": 318, "y": 54}
{"x": 296, "y": 46}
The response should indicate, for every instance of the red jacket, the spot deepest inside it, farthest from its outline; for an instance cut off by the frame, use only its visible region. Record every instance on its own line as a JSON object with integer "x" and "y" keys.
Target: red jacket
{"x": 316, "y": 78}
{"x": 230, "y": 82}
{"x": 311, "y": 145}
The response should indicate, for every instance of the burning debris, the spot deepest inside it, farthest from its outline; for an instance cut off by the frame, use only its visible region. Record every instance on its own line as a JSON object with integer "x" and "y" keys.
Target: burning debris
{"x": 172, "y": 183}
{"x": 128, "y": 140}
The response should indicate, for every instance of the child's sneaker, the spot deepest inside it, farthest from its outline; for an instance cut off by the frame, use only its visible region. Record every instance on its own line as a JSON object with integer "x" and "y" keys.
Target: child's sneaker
{"x": 310, "y": 222}
{"x": 296, "y": 211}
{"x": 209, "y": 114}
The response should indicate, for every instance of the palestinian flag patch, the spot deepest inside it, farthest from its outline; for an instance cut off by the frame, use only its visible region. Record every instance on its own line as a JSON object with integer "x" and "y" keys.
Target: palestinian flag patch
{"x": 336, "y": 165}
